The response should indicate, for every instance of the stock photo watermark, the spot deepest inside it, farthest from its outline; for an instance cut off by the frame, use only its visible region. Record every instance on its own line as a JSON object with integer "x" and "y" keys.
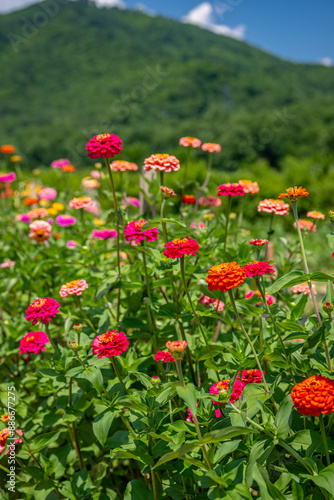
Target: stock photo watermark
{"x": 10, "y": 431}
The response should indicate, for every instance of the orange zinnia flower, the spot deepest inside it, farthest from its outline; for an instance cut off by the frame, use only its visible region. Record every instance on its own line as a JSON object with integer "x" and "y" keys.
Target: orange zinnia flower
{"x": 314, "y": 396}
{"x": 68, "y": 168}
{"x": 30, "y": 201}
{"x": 225, "y": 276}
{"x": 7, "y": 148}
{"x": 294, "y": 193}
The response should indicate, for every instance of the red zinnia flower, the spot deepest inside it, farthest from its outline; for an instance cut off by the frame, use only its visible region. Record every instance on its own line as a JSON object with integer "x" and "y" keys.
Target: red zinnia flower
{"x": 314, "y": 396}
{"x": 258, "y": 243}
{"x": 256, "y": 268}
{"x": 110, "y": 344}
{"x": 42, "y": 309}
{"x": 178, "y": 248}
{"x": 33, "y": 342}
{"x": 189, "y": 199}
{"x": 251, "y": 377}
{"x": 229, "y": 189}
{"x": 104, "y": 146}
{"x": 164, "y": 356}
{"x": 133, "y": 231}
{"x": 225, "y": 276}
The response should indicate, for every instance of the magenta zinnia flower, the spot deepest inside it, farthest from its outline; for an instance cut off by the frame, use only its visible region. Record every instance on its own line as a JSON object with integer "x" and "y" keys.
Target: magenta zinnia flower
{"x": 256, "y": 268}
{"x": 178, "y": 248}
{"x": 223, "y": 386}
{"x": 42, "y": 309}
{"x": 65, "y": 220}
{"x": 164, "y": 356}
{"x": 62, "y": 162}
{"x": 104, "y": 234}
{"x": 10, "y": 177}
{"x": 110, "y": 344}
{"x": 133, "y": 231}
{"x": 104, "y": 146}
{"x": 251, "y": 376}
{"x": 33, "y": 342}
{"x": 229, "y": 189}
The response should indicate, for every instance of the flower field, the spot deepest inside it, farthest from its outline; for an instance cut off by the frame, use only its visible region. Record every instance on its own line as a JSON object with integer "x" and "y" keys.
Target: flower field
{"x": 163, "y": 338}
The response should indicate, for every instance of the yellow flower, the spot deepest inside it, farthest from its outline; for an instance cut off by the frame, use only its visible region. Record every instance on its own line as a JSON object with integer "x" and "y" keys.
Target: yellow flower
{"x": 233, "y": 215}
{"x": 98, "y": 222}
{"x": 107, "y": 255}
{"x": 58, "y": 206}
{"x": 52, "y": 211}
{"x": 15, "y": 158}
{"x": 44, "y": 203}
{"x": 36, "y": 171}
{"x": 208, "y": 216}
{"x": 38, "y": 188}
{"x": 98, "y": 165}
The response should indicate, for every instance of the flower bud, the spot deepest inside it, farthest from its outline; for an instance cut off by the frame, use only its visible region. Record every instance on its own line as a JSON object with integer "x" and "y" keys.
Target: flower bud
{"x": 167, "y": 192}
{"x": 328, "y": 308}
{"x": 74, "y": 346}
{"x": 155, "y": 380}
{"x": 176, "y": 348}
{"x": 77, "y": 328}
{"x": 5, "y": 418}
{"x": 331, "y": 215}
{"x": 223, "y": 395}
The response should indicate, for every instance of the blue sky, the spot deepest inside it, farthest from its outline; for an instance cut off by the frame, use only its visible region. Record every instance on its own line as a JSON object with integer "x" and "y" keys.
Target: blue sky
{"x": 299, "y": 30}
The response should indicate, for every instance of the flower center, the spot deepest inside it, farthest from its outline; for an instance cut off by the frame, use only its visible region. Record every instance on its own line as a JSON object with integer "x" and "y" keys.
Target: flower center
{"x": 72, "y": 284}
{"x": 222, "y": 385}
{"x": 37, "y": 304}
{"x": 180, "y": 241}
{"x": 101, "y": 137}
{"x": 105, "y": 338}
{"x": 139, "y": 223}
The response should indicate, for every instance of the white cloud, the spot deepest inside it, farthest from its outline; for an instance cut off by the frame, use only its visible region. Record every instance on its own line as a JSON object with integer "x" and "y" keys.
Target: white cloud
{"x": 141, "y": 7}
{"x": 326, "y": 61}
{"x": 110, "y": 3}
{"x": 204, "y": 16}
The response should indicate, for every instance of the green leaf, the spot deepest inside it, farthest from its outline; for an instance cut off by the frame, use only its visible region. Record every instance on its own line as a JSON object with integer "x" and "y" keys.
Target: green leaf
{"x": 311, "y": 343}
{"x": 94, "y": 376}
{"x": 259, "y": 453}
{"x": 268, "y": 490}
{"x": 188, "y": 394}
{"x": 137, "y": 490}
{"x": 298, "y": 309}
{"x": 325, "y": 479}
{"x": 102, "y": 424}
{"x": 225, "y": 434}
{"x": 44, "y": 440}
{"x": 186, "y": 448}
{"x": 293, "y": 278}
{"x": 283, "y": 417}
{"x": 330, "y": 240}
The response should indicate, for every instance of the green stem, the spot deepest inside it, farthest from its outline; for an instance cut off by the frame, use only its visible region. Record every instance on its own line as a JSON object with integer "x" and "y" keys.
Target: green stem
{"x": 87, "y": 320}
{"x": 113, "y": 362}
{"x": 47, "y": 331}
{"x": 247, "y": 337}
{"x": 186, "y": 170}
{"x": 199, "y": 435}
{"x": 154, "y": 484}
{"x": 324, "y": 438}
{"x": 108, "y": 306}
{"x": 179, "y": 371}
{"x": 82, "y": 217}
{"x": 146, "y": 275}
{"x": 162, "y": 215}
{"x": 127, "y": 425}
{"x": 228, "y": 211}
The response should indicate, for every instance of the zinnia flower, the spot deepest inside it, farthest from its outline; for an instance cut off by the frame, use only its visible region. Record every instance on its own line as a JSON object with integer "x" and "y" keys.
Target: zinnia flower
{"x": 200, "y": 225}
{"x": 96, "y": 174}
{"x": 22, "y": 217}
{"x": 73, "y": 287}
{"x": 251, "y": 377}
{"x": 189, "y": 141}
{"x": 256, "y": 268}
{"x": 303, "y": 288}
{"x": 7, "y": 149}
{"x": 123, "y": 166}
{"x": 68, "y": 168}
{"x": 306, "y": 224}
{"x": 315, "y": 215}
{"x": 258, "y": 243}
{"x": 42, "y": 309}
{"x": 294, "y": 193}
{"x": 47, "y": 193}
{"x": 104, "y": 146}
{"x": 162, "y": 163}
{"x": 167, "y": 192}
{"x": 60, "y": 163}
{"x": 10, "y": 177}
{"x": 269, "y": 298}
{"x": 89, "y": 184}
{"x": 71, "y": 244}
{"x": 229, "y": 189}
{"x": 82, "y": 202}
{"x": 210, "y": 201}
{"x": 30, "y": 201}
{"x": 314, "y": 396}
{"x": 104, "y": 234}
{"x": 5, "y": 418}
{"x": 65, "y": 220}
{"x": 130, "y": 200}
{"x": 164, "y": 356}
{"x": 4, "y": 435}
{"x": 38, "y": 213}
{"x": 176, "y": 348}
{"x": 7, "y": 263}
{"x": 40, "y": 230}
{"x": 33, "y": 342}
{"x": 189, "y": 199}
{"x": 211, "y": 147}
{"x": 176, "y": 249}
{"x": 249, "y": 186}
{"x": 207, "y": 301}
{"x": 110, "y": 344}
{"x": 15, "y": 158}
{"x": 271, "y": 206}
{"x": 225, "y": 276}
{"x": 222, "y": 388}
{"x": 133, "y": 231}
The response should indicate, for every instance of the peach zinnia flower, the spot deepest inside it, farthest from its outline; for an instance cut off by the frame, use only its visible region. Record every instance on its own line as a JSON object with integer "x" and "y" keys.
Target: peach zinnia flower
{"x": 272, "y": 206}
{"x": 225, "y": 276}
{"x": 167, "y": 192}
{"x": 257, "y": 268}
{"x": 189, "y": 141}
{"x": 211, "y": 147}
{"x": 88, "y": 183}
{"x": 176, "y": 249}
{"x": 231, "y": 189}
{"x": 306, "y": 224}
{"x": 294, "y": 193}
{"x": 110, "y": 344}
{"x": 73, "y": 287}
{"x": 162, "y": 163}
{"x": 133, "y": 231}
{"x": 38, "y": 213}
{"x": 81, "y": 202}
{"x": 104, "y": 146}
{"x": 7, "y": 149}
{"x": 176, "y": 348}
{"x": 189, "y": 199}
{"x": 210, "y": 201}
{"x": 123, "y": 166}
{"x": 249, "y": 186}
{"x": 314, "y": 214}
{"x": 303, "y": 288}
{"x": 314, "y": 396}
{"x": 43, "y": 309}
{"x": 40, "y": 230}
{"x": 33, "y": 342}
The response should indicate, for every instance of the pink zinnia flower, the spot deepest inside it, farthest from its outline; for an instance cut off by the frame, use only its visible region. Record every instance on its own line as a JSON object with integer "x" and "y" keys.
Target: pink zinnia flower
{"x": 210, "y": 201}
{"x": 207, "y": 301}
{"x": 223, "y": 386}
{"x": 104, "y": 146}
{"x": 4, "y": 435}
{"x": 211, "y": 147}
{"x": 71, "y": 244}
{"x": 73, "y": 287}
{"x": 7, "y": 263}
{"x": 269, "y": 298}
{"x": 303, "y": 288}
{"x": 42, "y": 309}
{"x": 123, "y": 166}
{"x": 81, "y": 202}
{"x": 256, "y": 268}
{"x": 178, "y": 248}
{"x": 130, "y": 200}
{"x": 133, "y": 231}
{"x": 40, "y": 230}
{"x": 10, "y": 177}
{"x": 62, "y": 162}
{"x": 110, "y": 344}
{"x": 190, "y": 141}
{"x": 231, "y": 189}
{"x": 249, "y": 186}
{"x": 200, "y": 225}
{"x": 314, "y": 214}
{"x": 164, "y": 356}
{"x": 306, "y": 224}
{"x": 251, "y": 376}
{"x": 96, "y": 174}
{"x": 93, "y": 209}
{"x": 65, "y": 220}
{"x": 162, "y": 163}
{"x": 278, "y": 207}
{"x": 104, "y": 234}
{"x": 258, "y": 243}
{"x": 33, "y": 342}
{"x": 47, "y": 193}
{"x": 23, "y": 217}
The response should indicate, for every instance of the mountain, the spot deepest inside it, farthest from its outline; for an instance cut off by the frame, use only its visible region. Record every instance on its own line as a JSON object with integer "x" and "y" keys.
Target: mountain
{"x": 73, "y": 70}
